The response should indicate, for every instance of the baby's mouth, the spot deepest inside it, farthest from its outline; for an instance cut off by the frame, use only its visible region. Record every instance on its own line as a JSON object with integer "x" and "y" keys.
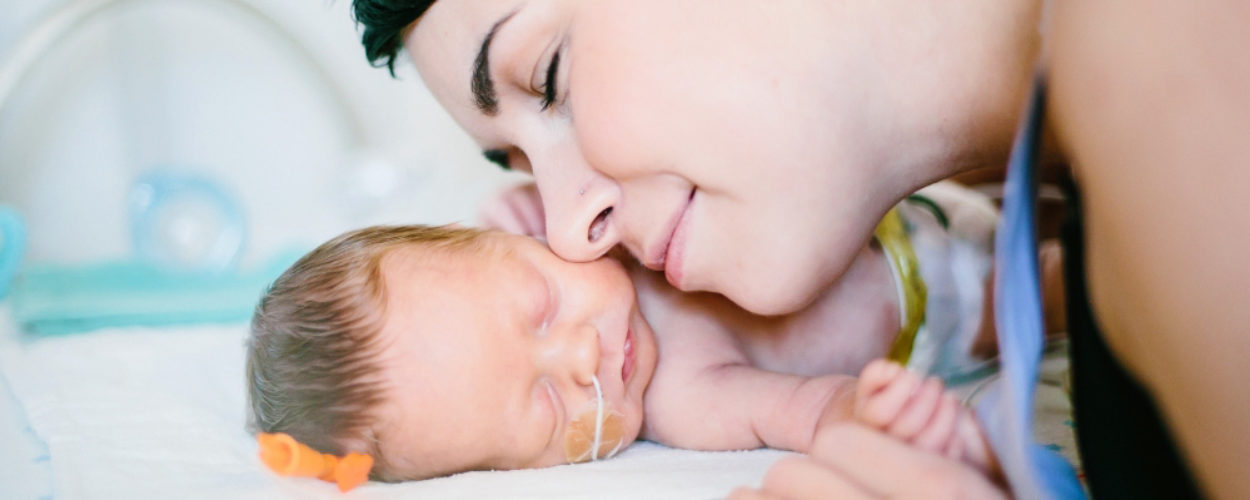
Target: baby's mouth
{"x": 627, "y": 365}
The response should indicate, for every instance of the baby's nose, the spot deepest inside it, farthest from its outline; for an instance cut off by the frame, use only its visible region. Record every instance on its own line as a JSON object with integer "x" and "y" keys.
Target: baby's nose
{"x": 571, "y": 352}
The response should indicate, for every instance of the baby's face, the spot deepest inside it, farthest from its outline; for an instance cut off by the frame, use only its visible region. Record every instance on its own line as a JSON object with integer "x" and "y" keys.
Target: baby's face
{"x": 490, "y": 354}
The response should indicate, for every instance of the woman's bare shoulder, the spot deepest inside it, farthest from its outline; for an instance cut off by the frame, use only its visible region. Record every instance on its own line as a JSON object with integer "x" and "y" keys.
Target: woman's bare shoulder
{"x": 1150, "y": 102}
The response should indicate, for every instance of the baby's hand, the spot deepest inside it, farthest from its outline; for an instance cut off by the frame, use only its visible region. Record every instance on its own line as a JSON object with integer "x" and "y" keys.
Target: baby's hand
{"x": 515, "y": 209}
{"x": 919, "y": 412}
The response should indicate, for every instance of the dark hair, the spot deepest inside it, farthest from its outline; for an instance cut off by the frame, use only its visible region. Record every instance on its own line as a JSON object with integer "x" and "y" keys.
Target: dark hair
{"x": 384, "y": 23}
{"x": 312, "y": 365}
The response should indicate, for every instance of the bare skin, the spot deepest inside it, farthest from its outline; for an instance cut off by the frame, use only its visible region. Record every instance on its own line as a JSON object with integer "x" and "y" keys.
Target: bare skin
{"x": 917, "y": 411}
{"x": 854, "y": 320}
{"x": 649, "y": 144}
{"x": 1141, "y": 100}
{"x": 708, "y": 376}
{"x": 1160, "y": 155}
{"x": 1146, "y": 101}
{"x": 733, "y": 380}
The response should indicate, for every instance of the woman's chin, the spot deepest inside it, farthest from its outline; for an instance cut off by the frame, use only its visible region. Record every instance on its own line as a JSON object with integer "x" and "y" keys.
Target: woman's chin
{"x": 771, "y": 299}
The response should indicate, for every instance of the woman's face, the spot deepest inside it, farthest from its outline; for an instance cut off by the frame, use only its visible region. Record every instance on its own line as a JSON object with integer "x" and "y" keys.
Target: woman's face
{"x": 743, "y": 147}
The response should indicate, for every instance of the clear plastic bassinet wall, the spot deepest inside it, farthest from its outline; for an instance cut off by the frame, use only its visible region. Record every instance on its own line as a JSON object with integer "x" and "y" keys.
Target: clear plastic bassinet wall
{"x": 206, "y": 140}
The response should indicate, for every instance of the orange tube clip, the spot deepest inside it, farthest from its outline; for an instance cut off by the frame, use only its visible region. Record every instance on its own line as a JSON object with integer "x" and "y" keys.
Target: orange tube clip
{"x": 288, "y": 457}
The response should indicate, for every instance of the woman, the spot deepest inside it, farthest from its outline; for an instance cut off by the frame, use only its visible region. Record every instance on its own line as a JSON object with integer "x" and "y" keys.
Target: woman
{"x": 749, "y": 148}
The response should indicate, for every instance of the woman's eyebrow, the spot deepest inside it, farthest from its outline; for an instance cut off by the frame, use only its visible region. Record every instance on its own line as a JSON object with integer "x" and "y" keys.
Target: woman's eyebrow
{"x": 481, "y": 84}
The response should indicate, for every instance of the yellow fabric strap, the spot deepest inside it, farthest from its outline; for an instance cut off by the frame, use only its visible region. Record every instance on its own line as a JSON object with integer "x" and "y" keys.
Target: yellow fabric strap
{"x": 912, "y": 293}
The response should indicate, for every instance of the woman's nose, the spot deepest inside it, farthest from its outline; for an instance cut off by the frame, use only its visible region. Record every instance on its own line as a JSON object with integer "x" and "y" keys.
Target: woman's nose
{"x": 581, "y": 225}
{"x": 571, "y": 352}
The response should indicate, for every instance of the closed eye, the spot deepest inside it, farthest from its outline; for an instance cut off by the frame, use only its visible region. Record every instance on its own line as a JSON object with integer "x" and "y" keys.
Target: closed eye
{"x": 549, "y": 86}
{"x": 557, "y": 408}
{"x": 543, "y": 307}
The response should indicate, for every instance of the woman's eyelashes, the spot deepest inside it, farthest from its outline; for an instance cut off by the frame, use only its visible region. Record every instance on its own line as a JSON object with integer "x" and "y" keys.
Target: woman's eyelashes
{"x": 549, "y": 86}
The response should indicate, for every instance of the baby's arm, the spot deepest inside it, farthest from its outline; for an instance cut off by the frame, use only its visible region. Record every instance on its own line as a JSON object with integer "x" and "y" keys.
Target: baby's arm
{"x": 707, "y": 395}
{"x": 919, "y": 412}
{"x": 737, "y": 406}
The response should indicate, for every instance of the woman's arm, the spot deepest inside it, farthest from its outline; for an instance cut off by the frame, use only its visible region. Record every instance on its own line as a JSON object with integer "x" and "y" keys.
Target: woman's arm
{"x": 854, "y": 461}
{"x": 1151, "y": 100}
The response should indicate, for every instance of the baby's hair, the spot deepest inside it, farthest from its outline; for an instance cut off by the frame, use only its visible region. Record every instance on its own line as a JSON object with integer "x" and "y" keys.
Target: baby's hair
{"x": 312, "y": 367}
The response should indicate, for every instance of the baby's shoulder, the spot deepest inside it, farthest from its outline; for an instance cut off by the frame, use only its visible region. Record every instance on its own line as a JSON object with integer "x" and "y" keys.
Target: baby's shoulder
{"x": 699, "y": 320}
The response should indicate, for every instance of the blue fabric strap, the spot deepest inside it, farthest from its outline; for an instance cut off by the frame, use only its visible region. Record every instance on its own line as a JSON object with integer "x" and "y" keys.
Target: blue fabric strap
{"x": 1033, "y": 471}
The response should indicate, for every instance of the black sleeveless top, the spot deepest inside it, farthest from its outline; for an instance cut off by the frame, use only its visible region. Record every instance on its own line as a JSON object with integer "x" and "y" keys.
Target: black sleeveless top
{"x": 1126, "y": 449}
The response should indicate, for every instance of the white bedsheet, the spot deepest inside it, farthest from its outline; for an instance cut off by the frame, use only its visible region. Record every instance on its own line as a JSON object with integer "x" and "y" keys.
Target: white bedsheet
{"x": 144, "y": 413}
{"x": 147, "y": 413}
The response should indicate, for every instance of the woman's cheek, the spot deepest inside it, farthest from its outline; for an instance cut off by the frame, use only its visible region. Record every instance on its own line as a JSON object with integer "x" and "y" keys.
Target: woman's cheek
{"x": 612, "y": 133}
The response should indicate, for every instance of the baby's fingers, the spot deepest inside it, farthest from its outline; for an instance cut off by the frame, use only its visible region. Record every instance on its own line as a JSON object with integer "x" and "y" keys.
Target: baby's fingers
{"x": 976, "y": 448}
{"x": 876, "y": 376}
{"x": 881, "y": 407}
{"x": 918, "y": 412}
{"x": 939, "y": 433}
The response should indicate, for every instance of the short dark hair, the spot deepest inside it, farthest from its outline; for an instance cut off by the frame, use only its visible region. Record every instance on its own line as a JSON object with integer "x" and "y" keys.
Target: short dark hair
{"x": 384, "y": 23}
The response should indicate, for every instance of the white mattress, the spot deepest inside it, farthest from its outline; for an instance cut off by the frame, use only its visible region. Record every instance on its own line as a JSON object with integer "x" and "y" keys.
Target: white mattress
{"x": 150, "y": 413}
{"x": 145, "y": 413}
{"x": 24, "y": 467}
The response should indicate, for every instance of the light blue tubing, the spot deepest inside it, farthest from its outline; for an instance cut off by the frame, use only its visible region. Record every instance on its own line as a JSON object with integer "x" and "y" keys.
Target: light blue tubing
{"x": 12, "y": 246}
{"x": 1033, "y": 471}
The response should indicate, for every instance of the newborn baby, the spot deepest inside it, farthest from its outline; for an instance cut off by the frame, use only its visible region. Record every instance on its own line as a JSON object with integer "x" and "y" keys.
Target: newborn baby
{"x": 441, "y": 349}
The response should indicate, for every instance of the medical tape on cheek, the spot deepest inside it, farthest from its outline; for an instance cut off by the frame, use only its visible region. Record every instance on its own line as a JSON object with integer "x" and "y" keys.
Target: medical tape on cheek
{"x": 593, "y": 430}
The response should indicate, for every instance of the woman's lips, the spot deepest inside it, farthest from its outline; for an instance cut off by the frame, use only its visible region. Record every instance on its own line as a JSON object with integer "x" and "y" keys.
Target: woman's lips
{"x": 675, "y": 255}
{"x": 627, "y": 364}
{"x": 657, "y": 254}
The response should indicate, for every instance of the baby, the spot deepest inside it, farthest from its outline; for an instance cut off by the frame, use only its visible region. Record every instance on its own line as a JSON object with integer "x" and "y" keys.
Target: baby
{"x": 442, "y": 349}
